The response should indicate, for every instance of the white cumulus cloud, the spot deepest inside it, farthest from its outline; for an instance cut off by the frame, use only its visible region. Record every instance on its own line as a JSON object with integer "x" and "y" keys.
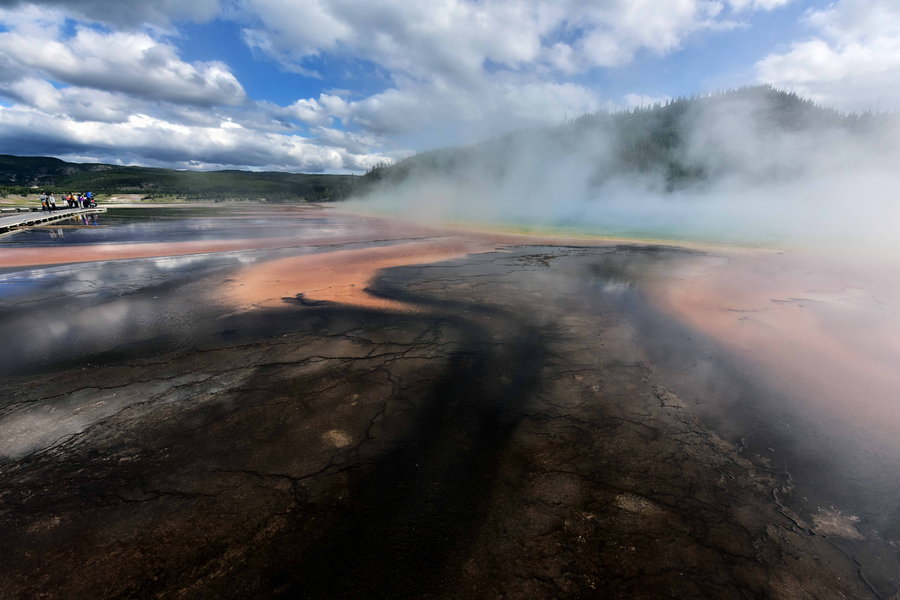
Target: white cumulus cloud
{"x": 130, "y": 62}
{"x": 852, "y": 62}
{"x": 740, "y": 5}
{"x": 146, "y": 138}
{"x": 79, "y": 104}
{"x": 455, "y": 39}
{"x": 127, "y": 12}
{"x": 463, "y": 68}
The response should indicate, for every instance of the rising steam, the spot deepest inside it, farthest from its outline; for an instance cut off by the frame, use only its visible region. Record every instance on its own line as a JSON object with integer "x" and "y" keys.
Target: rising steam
{"x": 751, "y": 166}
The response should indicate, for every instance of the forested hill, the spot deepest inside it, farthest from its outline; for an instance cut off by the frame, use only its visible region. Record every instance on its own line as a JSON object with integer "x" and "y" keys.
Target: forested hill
{"x": 682, "y": 143}
{"x": 20, "y": 174}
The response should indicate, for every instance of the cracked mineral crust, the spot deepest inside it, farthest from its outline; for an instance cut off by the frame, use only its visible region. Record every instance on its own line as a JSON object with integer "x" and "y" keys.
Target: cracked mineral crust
{"x": 511, "y": 437}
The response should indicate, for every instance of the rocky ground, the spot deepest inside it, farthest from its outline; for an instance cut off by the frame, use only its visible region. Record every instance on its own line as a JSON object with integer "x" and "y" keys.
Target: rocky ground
{"x": 513, "y": 438}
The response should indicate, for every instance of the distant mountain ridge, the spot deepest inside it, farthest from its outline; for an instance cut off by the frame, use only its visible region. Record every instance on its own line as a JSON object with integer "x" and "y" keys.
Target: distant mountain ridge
{"x": 21, "y": 174}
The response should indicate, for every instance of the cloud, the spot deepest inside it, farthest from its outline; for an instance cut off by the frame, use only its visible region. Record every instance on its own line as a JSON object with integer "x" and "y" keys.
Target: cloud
{"x": 434, "y": 114}
{"x": 471, "y": 68}
{"x": 126, "y": 96}
{"x": 353, "y": 142}
{"x": 127, "y": 12}
{"x": 319, "y": 111}
{"x": 143, "y": 138}
{"x": 852, "y": 62}
{"x": 454, "y": 40}
{"x": 130, "y": 62}
{"x": 615, "y": 31}
{"x": 740, "y": 5}
{"x": 77, "y": 103}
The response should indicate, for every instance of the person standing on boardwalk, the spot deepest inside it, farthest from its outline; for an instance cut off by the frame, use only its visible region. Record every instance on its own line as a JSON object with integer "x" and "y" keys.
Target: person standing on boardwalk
{"x": 51, "y": 201}
{"x": 44, "y": 205}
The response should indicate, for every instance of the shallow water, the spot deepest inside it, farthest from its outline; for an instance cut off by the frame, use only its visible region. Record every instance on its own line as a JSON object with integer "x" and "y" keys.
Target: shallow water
{"x": 138, "y": 225}
{"x": 57, "y": 312}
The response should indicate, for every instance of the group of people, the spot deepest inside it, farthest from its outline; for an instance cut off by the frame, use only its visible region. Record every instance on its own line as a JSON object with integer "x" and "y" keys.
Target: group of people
{"x": 85, "y": 200}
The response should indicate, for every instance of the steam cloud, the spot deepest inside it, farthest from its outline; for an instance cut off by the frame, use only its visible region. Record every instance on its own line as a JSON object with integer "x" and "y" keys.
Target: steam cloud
{"x": 755, "y": 166}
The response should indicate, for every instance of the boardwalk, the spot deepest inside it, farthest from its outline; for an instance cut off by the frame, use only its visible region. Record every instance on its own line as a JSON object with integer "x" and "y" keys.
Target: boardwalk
{"x": 30, "y": 219}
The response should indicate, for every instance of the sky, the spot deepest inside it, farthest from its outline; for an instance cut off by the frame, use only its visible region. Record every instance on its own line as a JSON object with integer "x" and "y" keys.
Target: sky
{"x": 338, "y": 86}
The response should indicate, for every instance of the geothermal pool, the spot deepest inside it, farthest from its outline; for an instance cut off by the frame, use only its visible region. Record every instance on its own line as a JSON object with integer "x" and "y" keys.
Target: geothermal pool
{"x": 294, "y": 402}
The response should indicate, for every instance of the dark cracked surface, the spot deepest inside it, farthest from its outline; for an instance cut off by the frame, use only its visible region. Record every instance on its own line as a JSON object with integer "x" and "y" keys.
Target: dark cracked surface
{"x": 523, "y": 436}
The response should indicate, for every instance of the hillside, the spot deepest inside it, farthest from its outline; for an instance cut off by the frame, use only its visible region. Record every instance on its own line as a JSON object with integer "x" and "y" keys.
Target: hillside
{"x": 19, "y": 174}
{"x": 682, "y": 143}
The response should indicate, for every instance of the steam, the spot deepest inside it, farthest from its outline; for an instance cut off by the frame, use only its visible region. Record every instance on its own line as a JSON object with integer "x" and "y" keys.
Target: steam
{"x": 755, "y": 166}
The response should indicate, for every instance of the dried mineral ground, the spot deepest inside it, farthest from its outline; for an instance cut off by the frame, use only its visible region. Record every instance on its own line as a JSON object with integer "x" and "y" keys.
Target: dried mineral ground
{"x": 410, "y": 413}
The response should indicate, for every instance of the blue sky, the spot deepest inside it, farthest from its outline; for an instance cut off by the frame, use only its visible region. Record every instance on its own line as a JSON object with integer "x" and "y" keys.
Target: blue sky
{"x": 340, "y": 85}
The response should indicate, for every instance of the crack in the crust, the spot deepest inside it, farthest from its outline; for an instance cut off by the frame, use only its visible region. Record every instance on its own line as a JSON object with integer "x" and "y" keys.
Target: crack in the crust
{"x": 330, "y": 468}
{"x": 860, "y": 573}
{"x": 71, "y": 438}
{"x": 589, "y": 424}
{"x": 427, "y": 350}
{"x": 712, "y": 515}
{"x": 100, "y": 388}
{"x": 263, "y": 345}
{"x": 153, "y": 495}
{"x": 385, "y": 359}
{"x": 431, "y": 281}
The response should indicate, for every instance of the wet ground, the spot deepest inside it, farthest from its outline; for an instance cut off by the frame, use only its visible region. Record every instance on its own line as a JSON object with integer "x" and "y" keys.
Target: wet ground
{"x": 122, "y": 225}
{"x": 533, "y": 428}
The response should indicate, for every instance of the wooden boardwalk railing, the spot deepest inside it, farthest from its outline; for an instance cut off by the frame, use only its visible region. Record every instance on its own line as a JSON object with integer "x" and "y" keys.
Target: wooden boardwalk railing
{"x": 31, "y": 219}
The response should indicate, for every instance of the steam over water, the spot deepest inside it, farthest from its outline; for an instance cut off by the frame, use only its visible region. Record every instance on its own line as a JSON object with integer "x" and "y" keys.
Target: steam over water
{"x": 754, "y": 167}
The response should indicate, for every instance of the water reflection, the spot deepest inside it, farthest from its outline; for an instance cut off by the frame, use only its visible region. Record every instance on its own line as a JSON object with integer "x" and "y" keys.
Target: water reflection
{"x": 69, "y": 312}
{"x": 65, "y": 312}
{"x": 175, "y": 225}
